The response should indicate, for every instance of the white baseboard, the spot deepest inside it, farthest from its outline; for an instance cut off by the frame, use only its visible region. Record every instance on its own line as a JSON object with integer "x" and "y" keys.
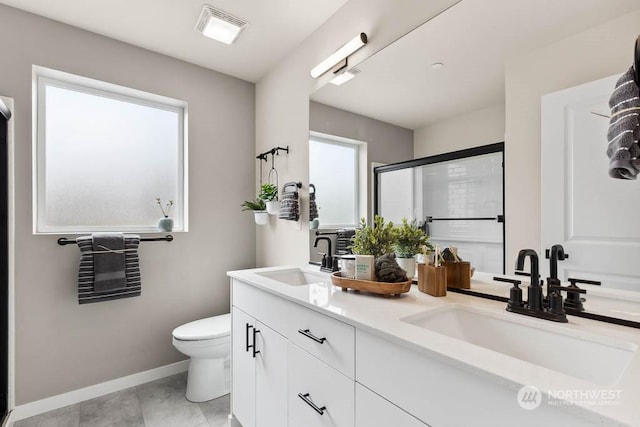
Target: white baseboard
{"x": 76, "y": 396}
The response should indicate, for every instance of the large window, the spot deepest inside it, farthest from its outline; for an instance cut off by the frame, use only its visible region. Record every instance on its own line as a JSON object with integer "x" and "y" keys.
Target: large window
{"x": 104, "y": 153}
{"x": 333, "y": 170}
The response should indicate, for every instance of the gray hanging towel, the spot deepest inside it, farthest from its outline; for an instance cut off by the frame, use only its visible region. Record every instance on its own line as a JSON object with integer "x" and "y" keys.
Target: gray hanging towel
{"x": 108, "y": 262}
{"x": 87, "y": 290}
{"x": 289, "y": 205}
{"x": 624, "y": 128}
{"x": 313, "y": 205}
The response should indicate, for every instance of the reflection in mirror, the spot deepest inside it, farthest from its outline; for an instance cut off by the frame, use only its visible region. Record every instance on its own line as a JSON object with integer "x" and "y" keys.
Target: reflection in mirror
{"x": 495, "y": 71}
{"x": 457, "y": 198}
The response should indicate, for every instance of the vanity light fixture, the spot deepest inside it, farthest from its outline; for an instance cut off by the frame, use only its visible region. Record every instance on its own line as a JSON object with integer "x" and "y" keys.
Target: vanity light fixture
{"x": 339, "y": 55}
{"x": 219, "y": 25}
{"x": 344, "y": 76}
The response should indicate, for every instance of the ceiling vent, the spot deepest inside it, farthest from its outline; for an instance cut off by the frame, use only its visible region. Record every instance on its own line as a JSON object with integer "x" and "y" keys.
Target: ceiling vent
{"x": 219, "y": 25}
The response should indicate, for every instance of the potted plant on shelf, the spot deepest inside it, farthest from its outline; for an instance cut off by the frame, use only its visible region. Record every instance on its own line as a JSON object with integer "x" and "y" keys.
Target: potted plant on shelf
{"x": 269, "y": 193}
{"x": 409, "y": 241}
{"x": 165, "y": 223}
{"x": 258, "y": 207}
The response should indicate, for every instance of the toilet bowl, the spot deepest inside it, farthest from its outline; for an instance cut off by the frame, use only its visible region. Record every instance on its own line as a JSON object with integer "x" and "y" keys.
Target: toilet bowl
{"x": 207, "y": 342}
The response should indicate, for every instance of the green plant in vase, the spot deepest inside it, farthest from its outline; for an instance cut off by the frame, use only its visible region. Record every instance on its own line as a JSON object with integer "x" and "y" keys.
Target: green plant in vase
{"x": 410, "y": 240}
{"x": 258, "y": 206}
{"x": 374, "y": 240}
{"x": 269, "y": 193}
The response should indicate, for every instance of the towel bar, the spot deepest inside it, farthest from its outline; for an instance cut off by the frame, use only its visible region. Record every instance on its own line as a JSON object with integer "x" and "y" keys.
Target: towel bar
{"x": 168, "y": 238}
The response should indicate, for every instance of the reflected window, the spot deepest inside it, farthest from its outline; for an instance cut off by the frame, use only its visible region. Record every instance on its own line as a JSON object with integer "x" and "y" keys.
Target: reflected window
{"x": 333, "y": 170}
{"x": 104, "y": 153}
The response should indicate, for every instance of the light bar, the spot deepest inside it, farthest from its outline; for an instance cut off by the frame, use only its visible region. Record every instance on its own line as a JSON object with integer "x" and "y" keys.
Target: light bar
{"x": 339, "y": 55}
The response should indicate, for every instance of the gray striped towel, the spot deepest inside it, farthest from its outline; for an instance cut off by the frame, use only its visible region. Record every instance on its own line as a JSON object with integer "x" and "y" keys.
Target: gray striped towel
{"x": 624, "y": 128}
{"x": 289, "y": 208}
{"x": 87, "y": 292}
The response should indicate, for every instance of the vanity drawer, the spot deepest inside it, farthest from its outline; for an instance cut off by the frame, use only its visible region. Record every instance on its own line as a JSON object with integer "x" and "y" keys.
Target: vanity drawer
{"x": 313, "y": 383}
{"x": 326, "y": 338}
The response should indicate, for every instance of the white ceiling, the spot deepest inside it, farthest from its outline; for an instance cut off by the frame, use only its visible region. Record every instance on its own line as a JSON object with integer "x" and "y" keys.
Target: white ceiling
{"x": 473, "y": 39}
{"x": 166, "y": 26}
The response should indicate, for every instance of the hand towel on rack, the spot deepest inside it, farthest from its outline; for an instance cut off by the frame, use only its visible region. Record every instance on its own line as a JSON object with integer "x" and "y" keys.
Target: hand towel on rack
{"x": 87, "y": 292}
{"x": 289, "y": 206}
{"x": 624, "y": 128}
{"x": 108, "y": 262}
{"x": 313, "y": 205}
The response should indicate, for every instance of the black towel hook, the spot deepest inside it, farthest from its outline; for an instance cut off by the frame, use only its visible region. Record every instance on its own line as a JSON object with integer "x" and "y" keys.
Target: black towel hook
{"x": 636, "y": 62}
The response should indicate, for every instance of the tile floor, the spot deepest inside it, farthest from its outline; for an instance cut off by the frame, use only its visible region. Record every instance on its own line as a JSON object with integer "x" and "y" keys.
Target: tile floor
{"x": 159, "y": 403}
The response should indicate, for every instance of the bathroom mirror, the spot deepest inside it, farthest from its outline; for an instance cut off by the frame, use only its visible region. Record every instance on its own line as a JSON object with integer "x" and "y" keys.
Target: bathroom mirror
{"x": 458, "y": 82}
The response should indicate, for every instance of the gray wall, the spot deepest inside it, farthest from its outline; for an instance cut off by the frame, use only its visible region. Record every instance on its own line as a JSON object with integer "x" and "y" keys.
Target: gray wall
{"x": 62, "y": 346}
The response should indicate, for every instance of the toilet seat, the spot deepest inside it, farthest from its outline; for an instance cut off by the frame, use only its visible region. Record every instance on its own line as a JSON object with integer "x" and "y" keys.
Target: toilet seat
{"x": 204, "y": 329}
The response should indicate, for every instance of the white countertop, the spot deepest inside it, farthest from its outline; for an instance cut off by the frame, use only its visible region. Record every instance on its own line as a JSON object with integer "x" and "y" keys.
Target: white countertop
{"x": 382, "y": 316}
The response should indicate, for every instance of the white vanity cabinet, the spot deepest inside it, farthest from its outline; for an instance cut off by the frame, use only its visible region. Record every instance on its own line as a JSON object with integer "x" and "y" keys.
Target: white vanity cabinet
{"x": 291, "y": 366}
{"x": 259, "y": 372}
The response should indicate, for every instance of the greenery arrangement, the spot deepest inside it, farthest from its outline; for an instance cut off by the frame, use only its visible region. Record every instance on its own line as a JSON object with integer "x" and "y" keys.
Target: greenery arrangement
{"x": 377, "y": 240}
{"x": 254, "y": 205}
{"x": 409, "y": 239}
{"x": 268, "y": 192}
{"x": 167, "y": 207}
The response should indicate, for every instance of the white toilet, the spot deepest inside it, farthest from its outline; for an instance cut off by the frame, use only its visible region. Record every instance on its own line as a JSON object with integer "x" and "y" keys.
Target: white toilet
{"x": 207, "y": 342}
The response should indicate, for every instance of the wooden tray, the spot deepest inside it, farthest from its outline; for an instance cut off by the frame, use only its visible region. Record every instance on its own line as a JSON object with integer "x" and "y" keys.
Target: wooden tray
{"x": 381, "y": 288}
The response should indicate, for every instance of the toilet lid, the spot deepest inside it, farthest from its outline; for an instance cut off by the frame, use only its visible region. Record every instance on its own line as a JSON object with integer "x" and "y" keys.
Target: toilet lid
{"x": 204, "y": 329}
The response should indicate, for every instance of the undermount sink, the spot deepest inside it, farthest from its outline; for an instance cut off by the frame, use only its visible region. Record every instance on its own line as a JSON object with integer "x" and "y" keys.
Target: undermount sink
{"x": 595, "y": 358}
{"x": 295, "y": 277}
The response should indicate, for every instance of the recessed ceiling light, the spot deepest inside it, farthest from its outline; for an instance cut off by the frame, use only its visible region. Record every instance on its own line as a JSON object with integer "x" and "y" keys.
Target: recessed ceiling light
{"x": 437, "y": 65}
{"x": 344, "y": 77}
{"x": 219, "y": 25}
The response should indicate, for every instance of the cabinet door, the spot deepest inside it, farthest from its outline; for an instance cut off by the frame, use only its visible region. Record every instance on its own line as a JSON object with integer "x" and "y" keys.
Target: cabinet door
{"x": 374, "y": 411}
{"x": 271, "y": 378}
{"x": 243, "y": 368}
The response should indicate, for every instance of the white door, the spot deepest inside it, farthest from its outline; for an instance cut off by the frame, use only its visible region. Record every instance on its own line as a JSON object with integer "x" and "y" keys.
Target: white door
{"x": 593, "y": 216}
{"x": 271, "y": 378}
{"x": 374, "y": 411}
{"x": 243, "y": 374}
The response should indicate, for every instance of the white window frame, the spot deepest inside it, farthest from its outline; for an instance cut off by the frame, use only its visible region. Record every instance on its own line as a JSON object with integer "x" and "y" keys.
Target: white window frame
{"x": 359, "y": 180}
{"x": 42, "y": 77}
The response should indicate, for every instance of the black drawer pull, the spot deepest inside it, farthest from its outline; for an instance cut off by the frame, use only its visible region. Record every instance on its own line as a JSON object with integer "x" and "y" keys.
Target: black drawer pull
{"x": 255, "y": 331}
{"x": 246, "y": 336}
{"x": 309, "y": 402}
{"x": 308, "y": 334}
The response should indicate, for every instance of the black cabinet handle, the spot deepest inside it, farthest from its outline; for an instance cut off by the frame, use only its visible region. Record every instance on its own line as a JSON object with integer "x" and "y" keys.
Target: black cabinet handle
{"x": 255, "y": 331}
{"x": 309, "y": 402}
{"x": 246, "y": 336}
{"x": 308, "y": 334}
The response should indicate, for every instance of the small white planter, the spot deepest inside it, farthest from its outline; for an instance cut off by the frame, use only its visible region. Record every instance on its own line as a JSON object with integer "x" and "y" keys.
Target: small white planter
{"x": 273, "y": 207}
{"x": 408, "y": 265}
{"x": 261, "y": 217}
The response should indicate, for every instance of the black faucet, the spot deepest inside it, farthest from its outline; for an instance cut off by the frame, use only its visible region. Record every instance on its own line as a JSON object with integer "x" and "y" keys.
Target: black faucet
{"x": 555, "y": 254}
{"x": 327, "y": 259}
{"x": 535, "y": 306}
{"x": 535, "y": 290}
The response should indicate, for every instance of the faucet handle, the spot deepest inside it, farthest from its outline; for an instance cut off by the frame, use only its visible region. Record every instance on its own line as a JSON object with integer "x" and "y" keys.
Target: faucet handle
{"x": 584, "y": 281}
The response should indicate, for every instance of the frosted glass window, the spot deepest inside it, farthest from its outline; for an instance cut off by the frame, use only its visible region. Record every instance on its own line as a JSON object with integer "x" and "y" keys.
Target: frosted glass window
{"x": 104, "y": 157}
{"x": 333, "y": 169}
